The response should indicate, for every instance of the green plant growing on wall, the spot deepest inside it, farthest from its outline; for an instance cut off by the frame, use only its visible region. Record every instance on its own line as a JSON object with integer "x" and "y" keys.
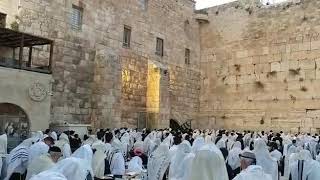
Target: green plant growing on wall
{"x": 294, "y": 72}
{"x": 14, "y": 26}
{"x": 262, "y": 120}
{"x": 259, "y": 85}
{"x": 224, "y": 117}
{"x": 301, "y": 79}
{"x": 237, "y": 66}
{"x": 303, "y": 88}
{"x": 293, "y": 98}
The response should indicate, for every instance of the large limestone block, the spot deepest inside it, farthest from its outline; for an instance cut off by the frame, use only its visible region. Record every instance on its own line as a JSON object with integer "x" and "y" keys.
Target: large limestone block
{"x": 275, "y": 66}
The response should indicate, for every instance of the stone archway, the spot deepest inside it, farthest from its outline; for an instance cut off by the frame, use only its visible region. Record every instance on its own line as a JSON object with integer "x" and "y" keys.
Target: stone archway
{"x": 14, "y": 122}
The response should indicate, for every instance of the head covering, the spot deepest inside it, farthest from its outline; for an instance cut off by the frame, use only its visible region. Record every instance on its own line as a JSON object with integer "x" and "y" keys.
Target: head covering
{"x": 54, "y": 135}
{"x": 264, "y": 159}
{"x": 176, "y": 170}
{"x": 233, "y": 158}
{"x": 49, "y": 175}
{"x": 197, "y": 144}
{"x": 85, "y": 153}
{"x": 208, "y": 165}
{"x": 37, "y": 150}
{"x": 73, "y": 169}
{"x": 135, "y": 165}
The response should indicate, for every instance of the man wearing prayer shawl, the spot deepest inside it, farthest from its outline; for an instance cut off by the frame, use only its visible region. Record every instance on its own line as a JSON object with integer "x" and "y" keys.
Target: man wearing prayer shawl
{"x": 40, "y": 148}
{"x": 175, "y": 171}
{"x": 250, "y": 171}
{"x": 264, "y": 159}
{"x": 49, "y": 175}
{"x": 72, "y": 168}
{"x": 158, "y": 162}
{"x": 116, "y": 159}
{"x": 303, "y": 167}
{"x": 18, "y": 160}
{"x": 208, "y": 164}
{"x": 43, "y": 162}
{"x": 64, "y": 144}
{"x": 3, "y": 150}
{"x": 233, "y": 159}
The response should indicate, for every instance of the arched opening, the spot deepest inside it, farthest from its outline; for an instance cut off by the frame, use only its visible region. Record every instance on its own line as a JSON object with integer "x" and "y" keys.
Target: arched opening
{"x": 174, "y": 125}
{"x": 13, "y": 122}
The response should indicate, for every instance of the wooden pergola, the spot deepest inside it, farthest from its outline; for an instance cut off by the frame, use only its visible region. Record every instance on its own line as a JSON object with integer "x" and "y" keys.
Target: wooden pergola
{"x": 14, "y": 39}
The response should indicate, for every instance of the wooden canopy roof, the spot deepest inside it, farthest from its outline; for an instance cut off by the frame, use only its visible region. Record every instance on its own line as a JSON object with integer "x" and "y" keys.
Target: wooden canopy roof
{"x": 11, "y": 38}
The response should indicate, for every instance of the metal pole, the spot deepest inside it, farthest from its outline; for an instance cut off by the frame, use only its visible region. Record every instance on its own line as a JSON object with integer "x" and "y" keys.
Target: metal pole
{"x": 21, "y": 51}
{"x": 50, "y": 57}
{"x": 30, "y": 57}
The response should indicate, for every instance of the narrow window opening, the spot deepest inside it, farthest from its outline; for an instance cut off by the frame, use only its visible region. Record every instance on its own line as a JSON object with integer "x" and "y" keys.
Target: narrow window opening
{"x": 76, "y": 18}
{"x": 159, "y": 47}
{"x": 126, "y": 36}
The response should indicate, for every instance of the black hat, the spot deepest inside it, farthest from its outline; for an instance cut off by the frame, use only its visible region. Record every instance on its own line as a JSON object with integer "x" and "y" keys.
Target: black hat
{"x": 54, "y": 149}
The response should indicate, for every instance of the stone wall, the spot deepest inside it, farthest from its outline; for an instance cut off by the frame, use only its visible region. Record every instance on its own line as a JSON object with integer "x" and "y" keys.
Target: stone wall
{"x": 260, "y": 66}
{"x": 89, "y": 64}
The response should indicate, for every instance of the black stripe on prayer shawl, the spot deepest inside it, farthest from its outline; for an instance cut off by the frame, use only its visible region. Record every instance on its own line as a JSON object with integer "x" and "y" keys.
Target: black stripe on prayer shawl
{"x": 20, "y": 153}
{"x": 300, "y": 169}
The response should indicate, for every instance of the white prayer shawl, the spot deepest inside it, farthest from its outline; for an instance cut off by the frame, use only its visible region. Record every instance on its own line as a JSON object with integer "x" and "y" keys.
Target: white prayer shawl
{"x": 37, "y": 150}
{"x": 230, "y": 143}
{"x": 117, "y": 165}
{"x": 208, "y": 139}
{"x": 292, "y": 149}
{"x": 186, "y": 165}
{"x": 221, "y": 143}
{"x": 90, "y": 140}
{"x": 98, "y": 163}
{"x": 197, "y": 144}
{"x": 64, "y": 145}
{"x": 18, "y": 158}
{"x": 135, "y": 165}
{"x": 158, "y": 162}
{"x": 85, "y": 153}
{"x": 208, "y": 164}
{"x": 73, "y": 168}
{"x": 311, "y": 168}
{"x": 168, "y": 140}
{"x": 276, "y": 155}
{"x": 268, "y": 164}
{"x": 37, "y": 136}
{"x": 49, "y": 175}
{"x": 54, "y": 135}
{"x": 253, "y": 172}
{"x": 175, "y": 170}
{"x": 39, "y": 164}
{"x": 172, "y": 152}
{"x": 3, "y": 149}
{"x": 3, "y": 145}
{"x": 233, "y": 158}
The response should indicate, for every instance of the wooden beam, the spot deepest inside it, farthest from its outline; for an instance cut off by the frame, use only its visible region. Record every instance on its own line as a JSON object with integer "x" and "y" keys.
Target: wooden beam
{"x": 30, "y": 57}
{"x": 50, "y": 57}
{"x": 21, "y": 51}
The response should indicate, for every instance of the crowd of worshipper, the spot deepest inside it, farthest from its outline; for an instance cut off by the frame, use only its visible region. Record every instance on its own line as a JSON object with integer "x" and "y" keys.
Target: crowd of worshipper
{"x": 162, "y": 154}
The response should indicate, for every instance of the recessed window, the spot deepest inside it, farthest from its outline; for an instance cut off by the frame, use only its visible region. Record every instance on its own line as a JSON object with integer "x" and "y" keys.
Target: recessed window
{"x": 3, "y": 18}
{"x": 76, "y": 18}
{"x": 187, "y": 56}
{"x": 126, "y": 36}
{"x": 159, "y": 47}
